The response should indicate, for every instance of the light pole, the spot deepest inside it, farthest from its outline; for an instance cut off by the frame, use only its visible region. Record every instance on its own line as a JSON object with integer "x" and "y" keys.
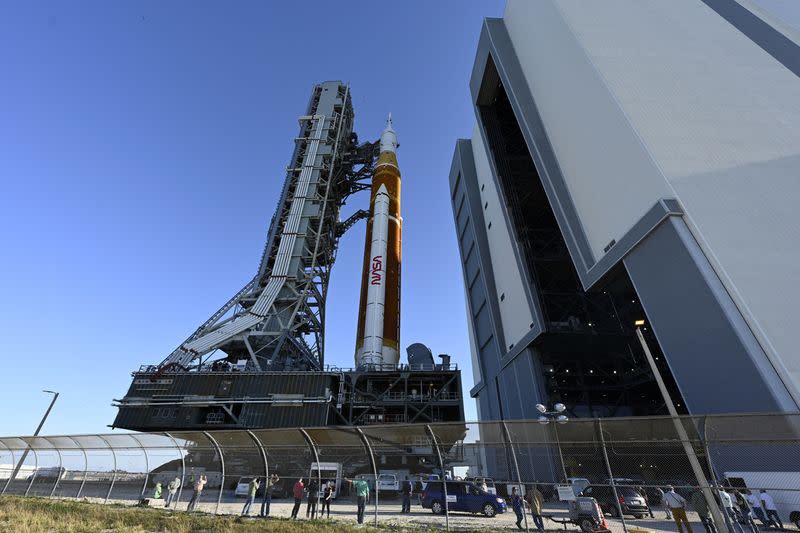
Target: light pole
{"x": 38, "y": 429}
{"x": 681, "y": 431}
{"x": 555, "y": 415}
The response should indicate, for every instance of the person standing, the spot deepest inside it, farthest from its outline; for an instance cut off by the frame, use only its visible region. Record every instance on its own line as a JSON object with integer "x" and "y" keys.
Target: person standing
{"x": 199, "y": 485}
{"x": 770, "y": 509}
{"x": 535, "y": 501}
{"x": 755, "y": 504}
{"x": 297, "y": 492}
{"x": 313, "y": 496}
{"x": 157, "y": 491}
{"x": 727, "y": 504}
{"x": 677, "y": 506}
{"x": 407, "y": 490}
{"x": 269, "y": 486}
{"x": 700, "y": 506}
{"x": 517, "y": 503}
{"x": 362, "y": 495}
{"x": 252, "y": 489}
{"x": 172, "y": 489}
{"x": 746, "y": 511}
{"x": 660, "y": 496}
{"x": 327, "y": 496}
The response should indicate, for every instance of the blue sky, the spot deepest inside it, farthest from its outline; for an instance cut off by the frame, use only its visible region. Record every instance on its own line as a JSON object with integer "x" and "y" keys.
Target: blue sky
{"x": 142, "y": 148}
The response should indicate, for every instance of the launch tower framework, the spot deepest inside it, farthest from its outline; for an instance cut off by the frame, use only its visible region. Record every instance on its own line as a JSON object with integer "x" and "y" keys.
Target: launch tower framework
{"x": 259, "y": 361}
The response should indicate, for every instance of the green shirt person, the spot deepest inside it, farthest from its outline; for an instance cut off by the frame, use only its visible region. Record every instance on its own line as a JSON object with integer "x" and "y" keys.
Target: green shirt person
{"x": 362, "y": 495}
{"x": 362, "y": 488}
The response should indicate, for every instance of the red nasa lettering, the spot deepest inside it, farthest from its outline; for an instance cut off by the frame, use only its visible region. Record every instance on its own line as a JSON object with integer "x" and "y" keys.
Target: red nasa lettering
{"x": 377, "y": 266}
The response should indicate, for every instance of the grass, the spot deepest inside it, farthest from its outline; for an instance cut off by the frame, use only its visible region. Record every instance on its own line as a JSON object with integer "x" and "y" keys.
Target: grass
{"x": 35, "y": 515}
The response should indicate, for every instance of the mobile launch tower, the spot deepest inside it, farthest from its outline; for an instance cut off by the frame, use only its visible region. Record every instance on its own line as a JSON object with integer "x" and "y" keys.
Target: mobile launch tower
{"x": 259, "y": 361}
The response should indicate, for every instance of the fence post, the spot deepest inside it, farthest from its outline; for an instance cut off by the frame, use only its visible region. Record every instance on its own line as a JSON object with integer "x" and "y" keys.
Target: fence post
{"x": 183, "y": 467}
{"x": 365, "y": 440}
{"x": 85, "y": 466}
{"x": 313, "y": 447}
{"x": 719, "y": 516}
{"x": 222, "y": 464}
{"x": 610, "y": 474}
{"x": 146, "y": 464}
{"x": 60, "y": 465}
{"x": 35, "y": 467}
{"x": 267, "y": 488}
{"x": 114, "y": 473}
{"x": 521, "y": 485}
{"x": 444, "y": 476}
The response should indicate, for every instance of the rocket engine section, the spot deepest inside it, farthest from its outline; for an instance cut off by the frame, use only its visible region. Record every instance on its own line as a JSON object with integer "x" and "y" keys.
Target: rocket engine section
{"x": 378, "y": 336}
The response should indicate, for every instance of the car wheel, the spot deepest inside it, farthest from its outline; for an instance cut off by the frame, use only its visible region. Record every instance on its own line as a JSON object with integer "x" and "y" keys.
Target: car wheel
{"x": 586, "y": 525}
{"x": 489, "y": 510}
{"x": 436, "y": 507}
{"x": 639, "y": 516}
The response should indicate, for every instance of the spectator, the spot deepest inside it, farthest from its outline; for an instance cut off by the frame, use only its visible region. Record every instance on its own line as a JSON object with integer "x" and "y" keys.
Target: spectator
{"x": 297, "y": 492}
{"x": 770, "y": 510}
{"x": 727, "y": 504}
{"x": 269, "y": 487}
{"x": 157, "y": 491}
{"x": 327, "y": 496}
{"x": 199, "y": 485}
{"x": 700, "y": 506}
{"x": 252, "y": 489}
{"x": 755, "y": 504}
{"x": 406, "y": 490}
{"x": 746, "y": 511}
{"x": 172, "y": 489}
{"x": 517, "y": 503}
{"x": 660, "y": 495}
{"x": 362, "y": 495}
{"x": 535, "y": 501}
{"x": 677, "y": 505}
{"x": 313, "y": 497}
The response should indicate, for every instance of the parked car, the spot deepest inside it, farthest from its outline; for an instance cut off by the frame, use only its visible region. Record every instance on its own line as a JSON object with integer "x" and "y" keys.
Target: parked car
{"x": 462, "y": 496}
{"x": 630, "y": 500}
{"x": 655, "y": 495}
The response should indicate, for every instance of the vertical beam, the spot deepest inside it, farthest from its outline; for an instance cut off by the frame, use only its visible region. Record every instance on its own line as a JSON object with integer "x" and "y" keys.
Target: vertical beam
{"x": 313, "y": 447}
{"x": 183, "y": 467}
{"x": 114, "y": 473}
{"x": 85, "y": 466}
{"x": 510, "y": 444}
{"x": 266, "y": 471}
{"x": 368, "y": 446}
{"x": 444, "y": 476}
{"x": 146, "y": 464}
{"x": 222, "y": 463}
{"x": 610, "y": 474}
{"x": 60, "y": 465}
{"x": 35, "y": 467}
{"x": 8, "y": 481}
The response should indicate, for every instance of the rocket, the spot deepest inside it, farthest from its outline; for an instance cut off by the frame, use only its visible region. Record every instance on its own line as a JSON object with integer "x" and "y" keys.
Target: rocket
{"x": 378, "y": 334}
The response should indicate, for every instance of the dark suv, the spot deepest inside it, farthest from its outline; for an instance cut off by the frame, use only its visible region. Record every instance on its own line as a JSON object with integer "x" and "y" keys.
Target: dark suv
{"x": 461, "y": 496}
{"x": 630, "y": 500}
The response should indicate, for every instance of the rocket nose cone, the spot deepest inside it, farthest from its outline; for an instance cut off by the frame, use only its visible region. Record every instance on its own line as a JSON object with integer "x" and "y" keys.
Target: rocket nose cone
{"x": 389, "y": 137}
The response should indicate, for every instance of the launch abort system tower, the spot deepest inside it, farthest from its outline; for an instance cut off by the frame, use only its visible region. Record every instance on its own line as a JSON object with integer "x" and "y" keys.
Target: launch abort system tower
{"x": 259, "y": 361}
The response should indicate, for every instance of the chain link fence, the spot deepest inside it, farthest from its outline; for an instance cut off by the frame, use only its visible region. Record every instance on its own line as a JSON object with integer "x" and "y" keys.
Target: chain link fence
{"x": 466, "y": 473}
